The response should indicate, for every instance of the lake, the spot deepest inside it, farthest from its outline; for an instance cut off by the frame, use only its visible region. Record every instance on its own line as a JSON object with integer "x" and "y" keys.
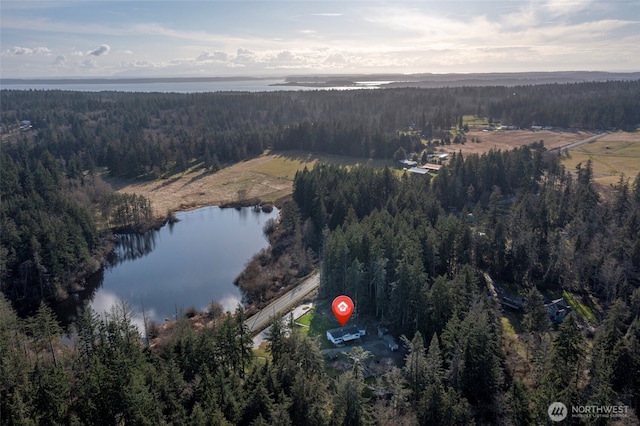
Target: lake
{"x": 189, "y": 263}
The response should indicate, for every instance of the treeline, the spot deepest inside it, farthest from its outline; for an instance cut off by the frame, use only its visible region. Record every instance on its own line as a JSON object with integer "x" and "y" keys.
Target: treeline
{"x": 50, "y": 219}
{"x": 411, "y": 252}
{"x": 155, "y": 134}
{"x": 129, "y": 212}
{"x": 618, "y": 108}
{"x": 48, "y": 238}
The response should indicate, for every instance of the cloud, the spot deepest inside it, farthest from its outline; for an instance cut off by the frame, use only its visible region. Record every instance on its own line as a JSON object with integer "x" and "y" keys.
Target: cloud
{"x": 88, "y": 64}
{"x": 217, "y": 56}
{"x": 335, "y": 59}
{"x": 102, "y": 50}
{"x": 285, "y": 56}
{"x": 26, "y": 51}
{"x": 59, "y": 61}
{"x": 128, "y": 52}
{"x": 245, "y": 52}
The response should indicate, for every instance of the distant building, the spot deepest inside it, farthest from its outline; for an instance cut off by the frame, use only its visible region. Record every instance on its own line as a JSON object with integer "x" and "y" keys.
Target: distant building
{"x": 512, "y": 301}
{"x": 25, "y": 125}
{"x": 341, "y": 335}
{"x": 390, "y": 342}
{"x": 443, "y": 156}
{"x": 557, "y": 310}
{"x": 408, "y": 163}
{"x": 432, "y": 167}
{"x": 383, "y": 333}
{"x": 418, "y": 171}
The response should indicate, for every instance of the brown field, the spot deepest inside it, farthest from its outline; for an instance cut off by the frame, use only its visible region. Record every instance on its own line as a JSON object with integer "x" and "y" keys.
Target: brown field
{"x": 611, "y": 156}
{"x": 267, "y": 178}
{"x": 508, "y": 139}
{"x": 270, "y": 176}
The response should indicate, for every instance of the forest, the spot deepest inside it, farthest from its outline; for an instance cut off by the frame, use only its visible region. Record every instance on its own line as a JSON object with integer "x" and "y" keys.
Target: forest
{"x": 407, "y": 260}
{"x": 51, "y": 171}
{"x": 413, "y": 252}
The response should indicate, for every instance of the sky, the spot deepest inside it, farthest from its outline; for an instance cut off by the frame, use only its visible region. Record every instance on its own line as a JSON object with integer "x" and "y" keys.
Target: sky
{"x": 245, "y": 38}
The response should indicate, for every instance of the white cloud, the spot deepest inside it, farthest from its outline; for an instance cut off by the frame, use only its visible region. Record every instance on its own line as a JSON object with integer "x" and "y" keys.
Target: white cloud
{"x": 27, "y": 51}
{"x": 217, "y": 56}
{"x": 88, "y": 63}
{"x": 102, "y": 50}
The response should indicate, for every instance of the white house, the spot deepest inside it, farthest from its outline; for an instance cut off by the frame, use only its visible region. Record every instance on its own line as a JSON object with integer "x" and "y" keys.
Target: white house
{"x": 341, "y": 335}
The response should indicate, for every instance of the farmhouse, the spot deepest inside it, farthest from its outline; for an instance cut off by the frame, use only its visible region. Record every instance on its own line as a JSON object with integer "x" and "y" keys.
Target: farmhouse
{"x": 338, "y": 336}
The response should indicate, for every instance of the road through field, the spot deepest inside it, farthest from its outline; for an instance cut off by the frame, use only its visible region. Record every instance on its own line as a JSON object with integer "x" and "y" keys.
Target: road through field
{"x": 582, "y": 142}
{"x": 282, "y": 304}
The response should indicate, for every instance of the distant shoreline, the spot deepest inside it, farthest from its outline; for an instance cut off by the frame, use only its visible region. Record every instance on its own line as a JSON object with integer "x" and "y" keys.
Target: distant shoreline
{"x": 357, "y": 80}
{"x": 117, "y": 80}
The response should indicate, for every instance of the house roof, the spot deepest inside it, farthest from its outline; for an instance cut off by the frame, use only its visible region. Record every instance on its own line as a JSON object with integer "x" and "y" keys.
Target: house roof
{"x": 430, "y": 166}
{"x": 336, "y": 333}
{"x": 418, "y": 170}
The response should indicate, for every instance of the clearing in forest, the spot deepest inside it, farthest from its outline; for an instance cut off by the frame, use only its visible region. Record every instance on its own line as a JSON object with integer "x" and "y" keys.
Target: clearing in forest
{"x": 267, "y": 178}
{"x": 506, "y": 140}
{"x": 611, "y": 155}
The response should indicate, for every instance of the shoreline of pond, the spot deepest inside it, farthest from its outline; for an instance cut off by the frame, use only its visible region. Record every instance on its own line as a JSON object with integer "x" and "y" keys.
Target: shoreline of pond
{"x": 87, "y": 284}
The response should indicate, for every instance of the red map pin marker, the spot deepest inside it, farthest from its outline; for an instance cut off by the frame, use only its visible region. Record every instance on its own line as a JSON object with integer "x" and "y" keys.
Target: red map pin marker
{"x": 342, "y": 308}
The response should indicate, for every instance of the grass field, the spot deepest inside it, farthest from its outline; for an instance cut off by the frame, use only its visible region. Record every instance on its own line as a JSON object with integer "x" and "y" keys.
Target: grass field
{"x": 316, "y": 322}
{"x": 508, "y": 139}
{"x": 267, "y": 177}
{"x": 584, "y": 311}
{"x": 474, "y": 120}
{"x": 611, "y": 156}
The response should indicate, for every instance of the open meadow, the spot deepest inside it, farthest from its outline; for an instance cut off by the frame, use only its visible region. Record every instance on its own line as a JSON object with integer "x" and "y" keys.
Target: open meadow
{"x": 270, "y": 176}
{"x": 508, "y": 139}
{"x": 267, "y": 178}
{"x": 612, "y": 155}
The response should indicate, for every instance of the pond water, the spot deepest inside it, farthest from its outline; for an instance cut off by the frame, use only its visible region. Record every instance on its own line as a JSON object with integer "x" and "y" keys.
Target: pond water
{"x": 189, "y": 263}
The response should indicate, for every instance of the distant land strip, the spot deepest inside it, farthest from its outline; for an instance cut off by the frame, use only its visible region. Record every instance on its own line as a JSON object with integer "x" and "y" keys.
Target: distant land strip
{"x": 386, "y": 80}
{"x": 118, "y": 80}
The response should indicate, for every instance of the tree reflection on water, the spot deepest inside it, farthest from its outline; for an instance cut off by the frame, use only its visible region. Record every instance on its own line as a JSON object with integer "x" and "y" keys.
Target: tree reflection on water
{"x": 132, "y": 247}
